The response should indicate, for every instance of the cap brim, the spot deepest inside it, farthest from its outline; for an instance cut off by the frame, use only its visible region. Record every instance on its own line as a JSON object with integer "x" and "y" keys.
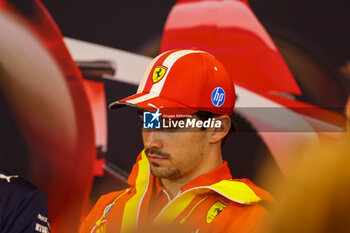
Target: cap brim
{"x": 151, "y": 102}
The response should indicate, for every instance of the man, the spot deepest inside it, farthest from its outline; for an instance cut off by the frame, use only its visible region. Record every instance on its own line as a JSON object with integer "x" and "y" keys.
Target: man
{"x": 180, "y": 177}
{"x": 23, "y": 207}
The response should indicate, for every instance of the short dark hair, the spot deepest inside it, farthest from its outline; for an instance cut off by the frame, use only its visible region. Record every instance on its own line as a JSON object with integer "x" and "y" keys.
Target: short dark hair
{"x": 204, "y": 115}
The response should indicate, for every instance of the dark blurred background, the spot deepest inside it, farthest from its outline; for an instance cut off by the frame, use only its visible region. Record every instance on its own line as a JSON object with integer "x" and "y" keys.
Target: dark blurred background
{"x": 313, "y": 36}
{"x": 137, "y": 25}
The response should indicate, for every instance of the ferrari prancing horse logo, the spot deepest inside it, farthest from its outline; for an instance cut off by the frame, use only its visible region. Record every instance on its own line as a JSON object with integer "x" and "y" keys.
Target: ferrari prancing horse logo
{"x": 215, "y": 210}
{"x": 158, "y": 73}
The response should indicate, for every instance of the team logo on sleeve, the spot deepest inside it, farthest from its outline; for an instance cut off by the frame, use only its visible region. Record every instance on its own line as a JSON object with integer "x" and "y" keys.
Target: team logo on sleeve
{"x": 215, "y": 210}
{"x": 158, "y": 73}
{"x": 7, "y": 178}
{"x": 42, "y": 229}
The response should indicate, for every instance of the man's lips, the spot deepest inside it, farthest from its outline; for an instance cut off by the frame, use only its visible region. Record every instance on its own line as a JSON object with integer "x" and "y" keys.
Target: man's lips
{"x": 155, "y": 158}
{"x": 156, "y": 155}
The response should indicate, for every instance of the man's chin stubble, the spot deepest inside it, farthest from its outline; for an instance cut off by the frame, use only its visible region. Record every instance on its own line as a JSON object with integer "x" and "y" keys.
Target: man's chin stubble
{"x": 166, "y": 173}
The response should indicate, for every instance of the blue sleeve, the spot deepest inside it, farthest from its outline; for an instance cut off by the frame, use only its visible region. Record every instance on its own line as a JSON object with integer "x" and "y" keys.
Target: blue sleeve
{"x": 28, "y": 214}
{"x": 23, "y": 208}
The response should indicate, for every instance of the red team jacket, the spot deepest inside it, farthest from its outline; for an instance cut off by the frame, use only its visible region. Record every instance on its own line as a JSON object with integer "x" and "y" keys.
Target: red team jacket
{"x": 213, "y": 202}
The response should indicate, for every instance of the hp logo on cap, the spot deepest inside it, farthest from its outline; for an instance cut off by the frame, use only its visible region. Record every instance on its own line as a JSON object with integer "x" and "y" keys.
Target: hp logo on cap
{"x": 218, "y": 96}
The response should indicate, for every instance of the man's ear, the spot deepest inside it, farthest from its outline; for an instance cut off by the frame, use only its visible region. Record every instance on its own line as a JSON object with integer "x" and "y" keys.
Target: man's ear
{"x": 217, "y": 134}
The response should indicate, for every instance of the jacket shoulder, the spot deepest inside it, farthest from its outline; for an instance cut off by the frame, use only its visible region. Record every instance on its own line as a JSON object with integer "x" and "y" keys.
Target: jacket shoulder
{"x": 98, "y": 210}
{"x": 242, "y": 218}
{"x": 22, "y": 205}
{"x": 105, "y": 200}
{"x": 263, "y": 194}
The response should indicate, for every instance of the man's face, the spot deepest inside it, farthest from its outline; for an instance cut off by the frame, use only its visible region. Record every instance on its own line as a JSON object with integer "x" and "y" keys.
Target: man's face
{"x": 174, "y": 153}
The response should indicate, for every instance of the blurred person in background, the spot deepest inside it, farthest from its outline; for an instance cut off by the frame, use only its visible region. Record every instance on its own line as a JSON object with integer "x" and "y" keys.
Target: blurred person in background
{"x": 315, "y": 197}
{"x": 23, "y": 207}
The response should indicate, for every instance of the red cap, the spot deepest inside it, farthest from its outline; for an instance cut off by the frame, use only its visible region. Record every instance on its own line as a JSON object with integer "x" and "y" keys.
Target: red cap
{"x": 182, "y": 82}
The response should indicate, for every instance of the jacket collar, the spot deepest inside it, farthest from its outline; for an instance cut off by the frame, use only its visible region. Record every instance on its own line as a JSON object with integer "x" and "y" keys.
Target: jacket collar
{"x": 220, "y": 173}
{"x": 218, "y": 180}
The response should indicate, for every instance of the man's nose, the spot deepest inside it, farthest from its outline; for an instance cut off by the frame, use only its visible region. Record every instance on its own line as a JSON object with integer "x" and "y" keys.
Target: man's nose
{"x": 153, "y": 140}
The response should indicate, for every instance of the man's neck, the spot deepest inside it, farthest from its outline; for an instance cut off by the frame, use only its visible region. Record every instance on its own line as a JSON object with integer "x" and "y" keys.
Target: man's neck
{"x": 173, "y": 186}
